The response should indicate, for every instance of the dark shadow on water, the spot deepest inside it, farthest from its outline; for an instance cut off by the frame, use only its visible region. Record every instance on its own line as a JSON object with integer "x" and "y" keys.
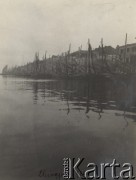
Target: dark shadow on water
{"x": 94, "y": 95}
{"x": 88, "y": 95}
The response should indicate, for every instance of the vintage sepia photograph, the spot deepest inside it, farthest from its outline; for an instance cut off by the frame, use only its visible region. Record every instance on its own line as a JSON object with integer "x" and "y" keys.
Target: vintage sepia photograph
{"x": 67, "y": 89}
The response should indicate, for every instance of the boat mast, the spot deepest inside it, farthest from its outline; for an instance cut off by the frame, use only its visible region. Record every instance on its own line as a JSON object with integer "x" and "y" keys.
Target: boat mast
{"x": 125, "y": 48}
{"x": 102, "y": 48}
{"x": 89, "y": 56}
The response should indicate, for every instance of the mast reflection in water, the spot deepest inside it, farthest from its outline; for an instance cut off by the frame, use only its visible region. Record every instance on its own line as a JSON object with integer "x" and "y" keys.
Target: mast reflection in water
{"x": 43, "y": 121}
{"x": 94, "y": 95}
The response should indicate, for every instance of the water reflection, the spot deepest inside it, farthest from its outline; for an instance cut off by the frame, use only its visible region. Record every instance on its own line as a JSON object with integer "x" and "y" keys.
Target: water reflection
{"x": 96, "y": 95}
{"x": 91, "y": 95}
{"x": 43, "y": 121}
{"x": 35, "y": 92}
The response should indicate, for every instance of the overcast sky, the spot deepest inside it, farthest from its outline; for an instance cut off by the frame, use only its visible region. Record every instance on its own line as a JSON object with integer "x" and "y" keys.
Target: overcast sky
{"x": 27, "y": 26}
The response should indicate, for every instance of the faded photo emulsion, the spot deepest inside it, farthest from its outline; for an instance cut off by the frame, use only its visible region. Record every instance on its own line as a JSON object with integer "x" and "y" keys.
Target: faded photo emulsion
{"x": 67, "y": 89}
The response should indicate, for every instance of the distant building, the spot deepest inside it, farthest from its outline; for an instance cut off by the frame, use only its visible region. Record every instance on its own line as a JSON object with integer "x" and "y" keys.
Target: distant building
{"x": 127, "y": 53}
{"x": 80, "y": 53}
{"x": 108, "y": 51}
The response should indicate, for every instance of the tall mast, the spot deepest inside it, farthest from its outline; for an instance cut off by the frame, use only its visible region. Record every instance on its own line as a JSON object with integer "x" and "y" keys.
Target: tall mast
{"x": 67, "y": 56}
{"x": 125, "y": 48}
{"x": 102, "y": 48}
{"x": 69, "y": 48}
{"x": 89, "y": 56}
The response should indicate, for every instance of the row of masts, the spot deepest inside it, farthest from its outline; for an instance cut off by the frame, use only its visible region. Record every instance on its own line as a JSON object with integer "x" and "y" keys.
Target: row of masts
{"x": 90, "y": 68}
{"x": 66, "y": 67}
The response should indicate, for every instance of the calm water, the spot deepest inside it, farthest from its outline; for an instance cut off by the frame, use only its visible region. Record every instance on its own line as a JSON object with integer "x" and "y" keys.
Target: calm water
{"x": 43, "y": 121}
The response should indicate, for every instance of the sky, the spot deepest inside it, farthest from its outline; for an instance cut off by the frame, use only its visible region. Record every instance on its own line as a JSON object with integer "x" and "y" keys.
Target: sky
{"x": 27, "y": 26}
